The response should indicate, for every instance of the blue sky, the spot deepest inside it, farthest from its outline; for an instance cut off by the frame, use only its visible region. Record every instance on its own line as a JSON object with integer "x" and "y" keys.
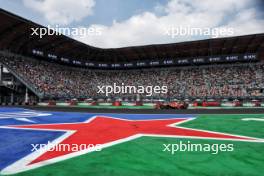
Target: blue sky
{"x": 104, "y": 12}
{"x": 140, "y": 22}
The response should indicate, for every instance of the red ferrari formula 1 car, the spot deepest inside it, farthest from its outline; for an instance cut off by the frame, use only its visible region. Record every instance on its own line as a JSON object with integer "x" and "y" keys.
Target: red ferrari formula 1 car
{"x": 172, "y": 105}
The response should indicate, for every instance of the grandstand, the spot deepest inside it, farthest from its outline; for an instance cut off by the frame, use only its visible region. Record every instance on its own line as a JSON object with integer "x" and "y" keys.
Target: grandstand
{"x": 192, "y": 108}
{"x": 60, "y": 68}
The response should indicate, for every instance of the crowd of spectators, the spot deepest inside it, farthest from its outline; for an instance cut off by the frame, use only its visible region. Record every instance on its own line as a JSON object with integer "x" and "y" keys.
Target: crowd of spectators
{"x": 54, "y": 80}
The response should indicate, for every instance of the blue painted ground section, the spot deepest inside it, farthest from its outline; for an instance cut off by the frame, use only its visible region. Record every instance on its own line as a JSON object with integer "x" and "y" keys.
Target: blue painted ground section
{"x": 16, "y": 143}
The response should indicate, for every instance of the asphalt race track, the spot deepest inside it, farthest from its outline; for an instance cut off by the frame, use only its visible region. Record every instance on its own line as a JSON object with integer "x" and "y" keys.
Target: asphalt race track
{"x": 149, "y": 111}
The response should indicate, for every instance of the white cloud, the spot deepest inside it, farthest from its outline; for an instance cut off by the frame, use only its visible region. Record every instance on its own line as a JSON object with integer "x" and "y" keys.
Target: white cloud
{"x": 246, "y": 22}
{"x": 149, "y": 28}
{"x": 61, "y": 12}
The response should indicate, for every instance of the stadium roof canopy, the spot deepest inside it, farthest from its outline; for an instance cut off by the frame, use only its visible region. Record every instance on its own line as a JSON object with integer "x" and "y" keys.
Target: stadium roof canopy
{"x": 15, "y": 35}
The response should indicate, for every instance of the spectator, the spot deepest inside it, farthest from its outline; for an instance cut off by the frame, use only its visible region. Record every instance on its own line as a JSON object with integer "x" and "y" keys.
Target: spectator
{"x": 68, "y": 82}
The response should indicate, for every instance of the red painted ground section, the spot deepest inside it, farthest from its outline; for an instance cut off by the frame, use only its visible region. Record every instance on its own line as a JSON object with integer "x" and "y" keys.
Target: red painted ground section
{"x": 102, "y": 130}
